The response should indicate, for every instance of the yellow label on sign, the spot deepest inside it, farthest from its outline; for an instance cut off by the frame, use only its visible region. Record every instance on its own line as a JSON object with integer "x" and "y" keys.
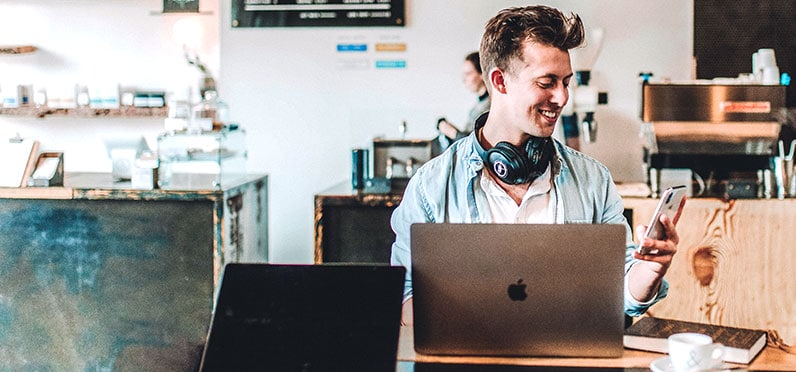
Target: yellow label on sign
{"x": 391, "y": 47}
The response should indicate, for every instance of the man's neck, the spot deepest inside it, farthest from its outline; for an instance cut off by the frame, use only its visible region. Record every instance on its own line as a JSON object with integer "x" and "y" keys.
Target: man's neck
{"x": 515, "y": 192}
{"x": 493, "y": 132}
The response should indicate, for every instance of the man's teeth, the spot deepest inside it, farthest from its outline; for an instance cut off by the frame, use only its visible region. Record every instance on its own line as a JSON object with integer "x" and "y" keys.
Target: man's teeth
{"x": 549, "y": 114}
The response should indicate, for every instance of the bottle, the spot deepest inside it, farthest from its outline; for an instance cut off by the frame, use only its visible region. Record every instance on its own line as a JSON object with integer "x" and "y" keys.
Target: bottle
{"x": 209, "y": 114}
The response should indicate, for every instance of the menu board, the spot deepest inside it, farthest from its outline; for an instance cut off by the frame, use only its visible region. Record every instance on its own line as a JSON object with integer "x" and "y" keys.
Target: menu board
{"x": 317, "y": 13}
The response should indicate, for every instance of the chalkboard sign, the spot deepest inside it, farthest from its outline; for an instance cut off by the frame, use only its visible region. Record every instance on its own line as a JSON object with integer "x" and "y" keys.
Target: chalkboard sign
{"x": 317, "y": 13}
{"x": 726, "y": 33}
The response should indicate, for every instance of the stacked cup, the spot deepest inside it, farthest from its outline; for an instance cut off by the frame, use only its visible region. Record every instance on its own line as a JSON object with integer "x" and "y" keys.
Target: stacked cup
{"x": 764, "y": 66}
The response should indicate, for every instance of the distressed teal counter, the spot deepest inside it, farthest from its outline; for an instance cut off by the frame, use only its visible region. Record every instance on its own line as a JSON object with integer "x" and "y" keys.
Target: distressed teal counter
{"x": 97, "y": 276}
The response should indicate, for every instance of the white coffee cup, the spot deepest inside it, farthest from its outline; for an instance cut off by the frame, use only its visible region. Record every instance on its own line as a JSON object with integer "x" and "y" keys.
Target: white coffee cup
{"x": 770, "y": 75}
{"x": 766, "y": 57}
{"x": 694, "y": 352}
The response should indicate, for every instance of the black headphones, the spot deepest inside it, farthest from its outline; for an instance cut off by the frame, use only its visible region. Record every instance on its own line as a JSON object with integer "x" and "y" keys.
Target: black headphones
{"x": 517, "y": 166}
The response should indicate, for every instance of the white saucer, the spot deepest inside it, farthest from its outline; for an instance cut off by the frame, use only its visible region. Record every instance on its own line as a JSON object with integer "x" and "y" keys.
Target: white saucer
{"x": 662, "y": 364}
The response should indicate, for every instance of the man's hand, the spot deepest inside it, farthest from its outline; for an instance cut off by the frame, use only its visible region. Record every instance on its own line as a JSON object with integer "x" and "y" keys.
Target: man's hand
{"x": 660, "y": 251}
{"x": 448, "y": 129}
{"x": 645, "y": 276}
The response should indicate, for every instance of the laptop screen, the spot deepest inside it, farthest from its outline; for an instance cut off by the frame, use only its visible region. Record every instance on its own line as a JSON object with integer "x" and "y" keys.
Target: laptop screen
{"x": 305, "y": 317}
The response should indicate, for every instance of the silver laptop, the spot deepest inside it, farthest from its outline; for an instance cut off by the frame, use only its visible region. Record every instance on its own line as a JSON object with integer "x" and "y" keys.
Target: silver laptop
{"x": 518, "y": 289}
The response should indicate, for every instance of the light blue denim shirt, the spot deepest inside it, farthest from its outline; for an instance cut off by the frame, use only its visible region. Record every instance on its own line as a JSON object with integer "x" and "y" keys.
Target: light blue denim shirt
{"x": 444, "y": 190}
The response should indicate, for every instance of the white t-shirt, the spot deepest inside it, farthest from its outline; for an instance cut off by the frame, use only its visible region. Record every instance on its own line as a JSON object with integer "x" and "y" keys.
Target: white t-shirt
{"x": 537, "y": 206}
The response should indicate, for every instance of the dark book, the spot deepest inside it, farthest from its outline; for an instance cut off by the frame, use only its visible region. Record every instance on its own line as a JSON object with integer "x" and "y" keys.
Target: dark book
{"x": 651, "y": 334}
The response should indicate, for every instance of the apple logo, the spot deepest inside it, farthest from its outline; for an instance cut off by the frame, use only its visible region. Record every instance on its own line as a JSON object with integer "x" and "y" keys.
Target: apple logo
{"x": 517, "y": 291}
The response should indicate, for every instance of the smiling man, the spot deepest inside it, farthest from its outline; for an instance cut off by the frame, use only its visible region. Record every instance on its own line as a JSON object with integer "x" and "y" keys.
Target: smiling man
{"x": 510, "y": 169}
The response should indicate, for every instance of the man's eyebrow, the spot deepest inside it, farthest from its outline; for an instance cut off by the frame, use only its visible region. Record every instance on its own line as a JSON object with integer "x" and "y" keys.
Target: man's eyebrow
{"x": 554, "y": 76}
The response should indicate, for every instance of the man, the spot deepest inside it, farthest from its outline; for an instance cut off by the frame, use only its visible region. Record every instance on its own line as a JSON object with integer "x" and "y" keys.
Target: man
{"x": 510, "y": 170}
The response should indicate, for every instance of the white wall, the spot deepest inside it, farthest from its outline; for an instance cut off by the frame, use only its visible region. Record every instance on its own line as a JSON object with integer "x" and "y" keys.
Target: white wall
{"x": 304, "y": 115}
{"x": 302, "y": 112}
{"x": 89, "y": 42}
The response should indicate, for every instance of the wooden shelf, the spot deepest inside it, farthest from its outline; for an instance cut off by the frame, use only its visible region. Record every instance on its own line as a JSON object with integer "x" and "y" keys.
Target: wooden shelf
{"x": 162, "y": 13}
{"x": 17, "y": 49}
{"x": 86, "y": 112}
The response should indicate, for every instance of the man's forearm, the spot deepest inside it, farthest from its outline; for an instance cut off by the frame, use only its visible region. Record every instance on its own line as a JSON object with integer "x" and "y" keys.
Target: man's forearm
{"x": 643, "y": 283}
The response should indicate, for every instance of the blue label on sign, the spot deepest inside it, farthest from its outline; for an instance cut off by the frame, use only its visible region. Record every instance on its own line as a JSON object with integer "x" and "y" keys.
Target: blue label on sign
{"x": 352, "y": 47}
{"x": 391, "y": 64}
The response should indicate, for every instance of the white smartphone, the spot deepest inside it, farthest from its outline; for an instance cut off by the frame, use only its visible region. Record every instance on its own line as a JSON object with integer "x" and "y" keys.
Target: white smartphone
{"x": 671, "y": 204}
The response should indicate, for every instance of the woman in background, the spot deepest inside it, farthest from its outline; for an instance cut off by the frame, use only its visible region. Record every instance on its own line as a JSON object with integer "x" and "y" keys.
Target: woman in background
{"x": 474, "y": 82}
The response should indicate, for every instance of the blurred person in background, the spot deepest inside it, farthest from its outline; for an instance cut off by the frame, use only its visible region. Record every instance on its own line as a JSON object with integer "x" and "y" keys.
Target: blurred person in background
{"x": 473, "y": 80}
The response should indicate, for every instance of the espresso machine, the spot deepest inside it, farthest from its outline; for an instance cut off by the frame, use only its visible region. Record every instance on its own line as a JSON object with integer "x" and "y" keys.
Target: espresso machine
{"x": 724, "y": 136}
{"x": 395, "y": 161}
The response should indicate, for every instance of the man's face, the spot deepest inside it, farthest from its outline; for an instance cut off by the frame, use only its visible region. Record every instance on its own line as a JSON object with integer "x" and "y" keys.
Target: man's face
{"x": 536, "y": 88}
{"x": 471, "y": 78}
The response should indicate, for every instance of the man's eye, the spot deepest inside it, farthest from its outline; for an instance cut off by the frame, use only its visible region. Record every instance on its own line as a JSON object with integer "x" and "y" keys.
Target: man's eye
{"x": 546, "y": 84}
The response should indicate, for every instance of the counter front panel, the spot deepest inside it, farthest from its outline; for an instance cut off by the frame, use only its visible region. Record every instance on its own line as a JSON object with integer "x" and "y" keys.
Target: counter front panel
{"x": 104, "y": 277}
{"x": 88, "y": 283}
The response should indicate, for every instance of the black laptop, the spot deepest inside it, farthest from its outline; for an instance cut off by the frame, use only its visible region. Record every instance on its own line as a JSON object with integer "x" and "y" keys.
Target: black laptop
{"x": 305, "y": 318}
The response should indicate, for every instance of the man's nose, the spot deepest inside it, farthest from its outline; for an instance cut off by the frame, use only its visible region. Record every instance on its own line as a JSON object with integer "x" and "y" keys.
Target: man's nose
{"x": 560, "y": 95}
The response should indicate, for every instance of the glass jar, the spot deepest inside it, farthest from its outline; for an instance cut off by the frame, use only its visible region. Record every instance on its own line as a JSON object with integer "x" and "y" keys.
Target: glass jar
{"x": 209, "y": 114}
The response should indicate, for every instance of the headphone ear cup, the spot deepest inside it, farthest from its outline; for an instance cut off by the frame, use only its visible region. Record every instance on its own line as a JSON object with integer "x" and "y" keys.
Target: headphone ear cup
{"x": 508, "y": 163}
{"x": 539, "y": 153}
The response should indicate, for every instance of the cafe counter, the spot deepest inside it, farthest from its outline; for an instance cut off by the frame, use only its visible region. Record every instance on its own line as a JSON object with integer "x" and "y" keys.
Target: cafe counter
{"x": 734, "y": 265}
{"x": 97, "y": 275}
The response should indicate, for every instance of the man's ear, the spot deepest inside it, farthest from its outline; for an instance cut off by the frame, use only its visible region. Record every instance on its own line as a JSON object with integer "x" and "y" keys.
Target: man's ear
{"x": 497, "y": 80}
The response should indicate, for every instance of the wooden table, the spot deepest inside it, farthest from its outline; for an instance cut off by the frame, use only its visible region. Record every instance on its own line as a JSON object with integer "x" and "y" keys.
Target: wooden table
{"x": 770, "y": 359}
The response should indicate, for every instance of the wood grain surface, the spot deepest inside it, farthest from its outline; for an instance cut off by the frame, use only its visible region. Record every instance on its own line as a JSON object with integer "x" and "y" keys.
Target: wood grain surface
{"x": 735, "y": 264}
